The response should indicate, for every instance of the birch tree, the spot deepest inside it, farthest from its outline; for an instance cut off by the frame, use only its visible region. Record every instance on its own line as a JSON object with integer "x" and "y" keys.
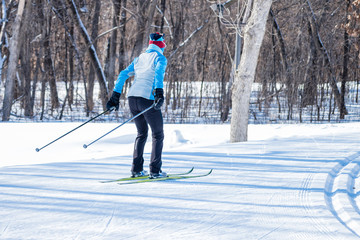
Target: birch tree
{"x": 249, "y": 24}
{"x": 5, "y": 10}
{"x": 14, "y": 48}
{"x": 253, "y": 33}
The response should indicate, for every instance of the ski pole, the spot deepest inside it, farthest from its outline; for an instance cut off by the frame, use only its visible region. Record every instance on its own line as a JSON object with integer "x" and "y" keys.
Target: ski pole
{"x": 87, "y": 145}
{"x": 108, "y": 110}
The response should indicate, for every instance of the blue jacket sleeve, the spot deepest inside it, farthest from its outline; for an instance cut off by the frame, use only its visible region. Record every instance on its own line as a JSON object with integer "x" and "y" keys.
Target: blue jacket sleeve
{"x": 123, "y": 76}
{"x": 160, "y": 68}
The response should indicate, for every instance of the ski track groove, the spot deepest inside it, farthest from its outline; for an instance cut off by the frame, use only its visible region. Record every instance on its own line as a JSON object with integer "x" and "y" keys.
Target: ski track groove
{"x": 218, "y": 223}
{"x": 333, "y": 190}
{"x": 270, "y": 232}
{"x": 184, "y": 230}
{"x": 306, "y": 201}
{"x": 149, "y": 233}
{"x": 108, "y": 222}
{"x": 4, "y": 230}
{"x": 82, "y": 229}
{"x": 354, "y": 175}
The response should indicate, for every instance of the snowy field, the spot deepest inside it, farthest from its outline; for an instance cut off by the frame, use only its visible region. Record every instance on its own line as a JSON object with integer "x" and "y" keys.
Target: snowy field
{"x": 286, "y": 182}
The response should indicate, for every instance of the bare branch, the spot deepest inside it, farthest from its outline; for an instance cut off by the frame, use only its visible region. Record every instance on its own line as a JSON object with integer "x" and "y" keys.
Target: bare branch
{"x": 181, "y": 45}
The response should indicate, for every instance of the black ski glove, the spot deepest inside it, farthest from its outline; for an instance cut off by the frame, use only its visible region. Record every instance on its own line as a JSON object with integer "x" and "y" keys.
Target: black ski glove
{"x": 159, "y": 98}
{"x": 113, "y": 101}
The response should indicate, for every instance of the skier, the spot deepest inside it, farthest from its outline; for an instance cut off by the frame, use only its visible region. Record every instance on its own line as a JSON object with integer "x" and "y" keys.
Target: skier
{"x": 148, "y": 70}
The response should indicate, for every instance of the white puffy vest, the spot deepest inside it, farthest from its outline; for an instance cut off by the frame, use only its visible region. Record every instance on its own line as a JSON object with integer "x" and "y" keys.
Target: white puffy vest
{"x": 143, "y": 84}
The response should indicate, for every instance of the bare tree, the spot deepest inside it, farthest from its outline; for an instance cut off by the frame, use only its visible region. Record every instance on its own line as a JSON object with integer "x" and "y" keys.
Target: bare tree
{"x": 145, "y": 11}
{"x": 13, "y": 60}
{"x": 26, "y": 66}
{"x": 253, "y": 33}
{"x": 48, "y": 59}
{"x": 93, "y": 54}
{"x": 112, "y": 46}
{"x": 122, "y": 57}
{"x": 3, "y": 35}
{"x": 250, "y": 24}
{"x": 345, "y": 72}
{"x": 94, "y": 33}
{"x": 322, "y": 49}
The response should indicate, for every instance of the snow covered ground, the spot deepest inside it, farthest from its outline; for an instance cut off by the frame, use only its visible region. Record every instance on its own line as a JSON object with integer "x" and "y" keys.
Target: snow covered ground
{"x": 286, "y": 182}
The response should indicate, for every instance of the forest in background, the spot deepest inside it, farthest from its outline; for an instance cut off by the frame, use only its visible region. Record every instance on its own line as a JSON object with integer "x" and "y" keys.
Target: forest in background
{"x": 70, "y": 53}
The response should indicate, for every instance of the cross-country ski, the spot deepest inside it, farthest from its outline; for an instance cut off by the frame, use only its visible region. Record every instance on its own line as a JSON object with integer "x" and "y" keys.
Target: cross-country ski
{"x": 185, "y": 120}
{"x": 169, "y": 177}
{"x": 145, "y": 177}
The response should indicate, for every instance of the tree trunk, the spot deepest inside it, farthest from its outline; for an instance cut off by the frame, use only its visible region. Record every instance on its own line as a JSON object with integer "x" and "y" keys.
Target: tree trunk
{"x": 177, "y": 18}
{"x": 149, "y": 20}
{"x": 93, "y": 55}
{"x": 26, "y": 64}
{"x": 145, "y": 15}
{"x": 35, "y": 80}
{"x": 4, "y": 24}
{"x": 110, "y": 69}
{"x": 71, "y": 70}
{"x": 26, "y": 75}
{"x": 122, "y": 57}
{"x": 203, "y": 74}
{"x": 42, "y": 96}
{"x": 48, "y": 62}
{"x": 321, "y": 48}
{"x": 13, "y": 60}
{"x": 254, "y": 31}
{"x": 344, "y": 76}
{"x": 160, "y": 21}
{"x": 91, "y": 78}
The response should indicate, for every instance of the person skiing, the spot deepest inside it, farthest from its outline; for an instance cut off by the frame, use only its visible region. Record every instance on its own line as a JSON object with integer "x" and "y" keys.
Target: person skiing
{"x": 148, "y": 70}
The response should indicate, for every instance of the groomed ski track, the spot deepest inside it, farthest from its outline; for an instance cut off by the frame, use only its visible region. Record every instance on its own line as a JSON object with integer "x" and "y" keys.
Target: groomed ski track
{"x": 303, "y": 185}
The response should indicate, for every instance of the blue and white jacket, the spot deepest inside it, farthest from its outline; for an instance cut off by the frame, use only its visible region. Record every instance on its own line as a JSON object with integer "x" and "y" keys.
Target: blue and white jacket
{"x": 149, "y": 70}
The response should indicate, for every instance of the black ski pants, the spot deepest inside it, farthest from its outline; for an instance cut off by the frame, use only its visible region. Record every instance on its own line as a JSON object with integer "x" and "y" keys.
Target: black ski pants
{"x": 154, "y": 119}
